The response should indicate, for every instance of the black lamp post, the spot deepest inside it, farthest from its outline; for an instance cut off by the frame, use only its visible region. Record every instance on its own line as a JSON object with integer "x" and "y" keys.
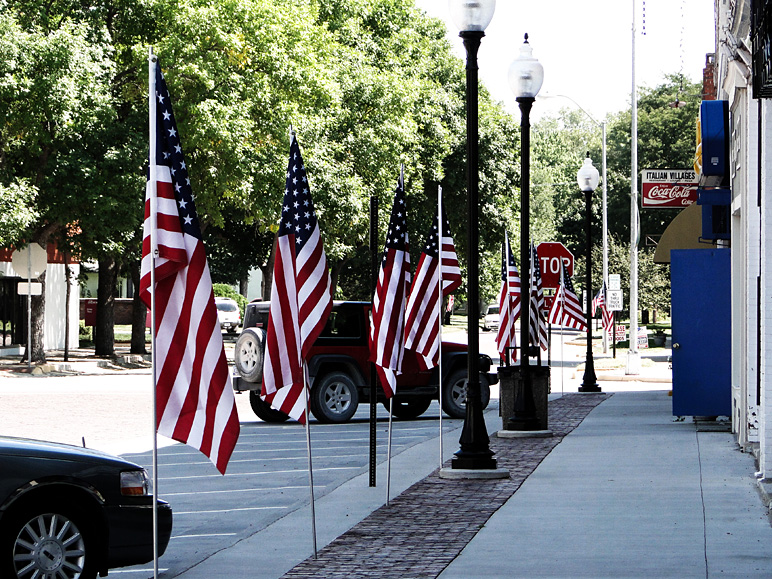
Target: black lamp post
{"x": 526, "y": 75}
{"x": 587, "y": 178}
{"x": 472, "y": 17}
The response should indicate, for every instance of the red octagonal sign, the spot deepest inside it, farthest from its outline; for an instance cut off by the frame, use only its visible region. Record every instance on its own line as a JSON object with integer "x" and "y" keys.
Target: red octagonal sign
{"x": 550, "y": 255}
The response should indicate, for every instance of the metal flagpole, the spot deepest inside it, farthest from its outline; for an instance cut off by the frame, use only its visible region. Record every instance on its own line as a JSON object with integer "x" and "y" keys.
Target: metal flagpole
{"x": 391, "y": 399}
{"x": 439, "y": 334}
{"x": 310, "y": 465}
{"x": 388, "y": 455}
{"x": 562, "y": 327}
{"x": 152, "y": 191}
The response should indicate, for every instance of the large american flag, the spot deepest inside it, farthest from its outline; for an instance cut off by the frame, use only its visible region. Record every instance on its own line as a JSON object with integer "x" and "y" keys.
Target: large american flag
{"x": 566, "y": 310}
{"x": 387, "y": 331}
{"x": 301, "y": 297}
{"x": 509, "y": 303}
{"x": 422, "y": 319}
{"x": 599, "y": 301}
{"x": 194, "y": 396}
{"x": 537, "y": 323}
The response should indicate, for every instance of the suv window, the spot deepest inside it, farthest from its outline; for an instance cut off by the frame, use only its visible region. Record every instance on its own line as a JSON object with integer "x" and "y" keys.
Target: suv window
{"x": 226, "y": 306}
{"x": 343, "y": 323}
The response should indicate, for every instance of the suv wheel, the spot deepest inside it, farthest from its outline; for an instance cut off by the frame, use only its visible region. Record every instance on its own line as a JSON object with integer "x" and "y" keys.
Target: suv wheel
{"x": 454, "y": 394}
{"x": 408, "y": 408}
{"x": 263, "y": 410}
{"x": 249, "y": 354}
{"x": 334, "y": 397}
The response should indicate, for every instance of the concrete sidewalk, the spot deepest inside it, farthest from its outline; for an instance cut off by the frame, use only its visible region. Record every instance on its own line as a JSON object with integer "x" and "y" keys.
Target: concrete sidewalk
{"x": 628, "y": 493}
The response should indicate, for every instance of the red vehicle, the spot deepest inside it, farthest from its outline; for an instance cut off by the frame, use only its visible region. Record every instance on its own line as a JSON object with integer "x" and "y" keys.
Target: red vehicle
{"x": 340, "y": 371}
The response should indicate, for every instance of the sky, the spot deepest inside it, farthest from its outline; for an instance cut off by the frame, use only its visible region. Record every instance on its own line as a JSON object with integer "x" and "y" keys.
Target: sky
{"x": 586, "y": 47}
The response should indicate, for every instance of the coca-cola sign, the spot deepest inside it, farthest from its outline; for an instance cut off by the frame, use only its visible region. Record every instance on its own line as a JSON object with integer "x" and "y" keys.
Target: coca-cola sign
{"x": 668, "y": 188}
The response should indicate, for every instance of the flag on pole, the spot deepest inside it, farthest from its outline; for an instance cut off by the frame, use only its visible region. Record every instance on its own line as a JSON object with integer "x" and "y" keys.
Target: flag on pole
{"x": 537, "y": 324}
{"x": 387, "y": 329}
{"x": 301, "y": 296}
{"x": 422, "y": 318}
{"x": 194, "y": 396}
{"x": 566, "y": 310}
{"x": 599, "y": 301}
{"x": 509, "y": 303}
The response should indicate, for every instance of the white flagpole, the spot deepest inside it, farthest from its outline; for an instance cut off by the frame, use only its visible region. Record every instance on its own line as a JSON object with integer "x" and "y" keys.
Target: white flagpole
{"x": 310, "y": 465}
{"x": 439, "y": 334}
{"x": 391, "y": 401}
{"x": 562, "y": 357}
{"x": 388, "y": 455}
{"x": 152, "y": 183}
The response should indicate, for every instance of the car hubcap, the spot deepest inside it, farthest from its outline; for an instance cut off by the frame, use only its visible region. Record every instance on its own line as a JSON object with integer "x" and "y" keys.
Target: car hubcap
{"x": 49, "y": 546}
{"x": 337, "y": 398}
{"x": 248, "y": 355}
{"x": 459, "y": 392}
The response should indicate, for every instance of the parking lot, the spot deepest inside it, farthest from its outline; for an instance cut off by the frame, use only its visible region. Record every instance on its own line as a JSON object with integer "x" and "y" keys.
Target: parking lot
{"x": 266, "y": 479}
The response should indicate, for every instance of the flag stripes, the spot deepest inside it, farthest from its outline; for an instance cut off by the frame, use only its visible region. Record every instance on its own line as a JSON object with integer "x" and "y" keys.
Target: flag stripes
{"x": 195, "y": 403}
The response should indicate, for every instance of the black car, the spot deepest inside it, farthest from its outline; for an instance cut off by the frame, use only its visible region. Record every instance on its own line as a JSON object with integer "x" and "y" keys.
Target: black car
{"x": 73, "y": 512}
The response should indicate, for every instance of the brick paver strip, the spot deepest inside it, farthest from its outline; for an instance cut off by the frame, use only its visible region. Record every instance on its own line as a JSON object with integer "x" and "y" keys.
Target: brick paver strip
{"x": 427, "y": 526}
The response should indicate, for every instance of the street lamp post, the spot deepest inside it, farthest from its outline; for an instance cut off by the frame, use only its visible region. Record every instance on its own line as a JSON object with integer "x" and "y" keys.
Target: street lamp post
{"x": 526, "y": 75}
{"x": 472, "y": 17}
{"x": 587, "y": 178}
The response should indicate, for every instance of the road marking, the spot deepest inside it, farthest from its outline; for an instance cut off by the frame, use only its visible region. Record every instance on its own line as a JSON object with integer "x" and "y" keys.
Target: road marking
{"x": 202, "y": 535}
{"x": 363, "y": 452}
{"x": 250, "y": 490}
{"x": 271, "y": 472}
{"x": 176, "y": 514}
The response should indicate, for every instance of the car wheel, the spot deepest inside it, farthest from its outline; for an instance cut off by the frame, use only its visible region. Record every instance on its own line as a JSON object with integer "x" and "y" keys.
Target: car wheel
{"x": 263, "y": 410}
{"x": 49, "y": 541}
{"x": 249, "y": 354}
{"x": 408, "y": 408}
{"x": 454, "y": 394}
{"x": 334, "y": 397}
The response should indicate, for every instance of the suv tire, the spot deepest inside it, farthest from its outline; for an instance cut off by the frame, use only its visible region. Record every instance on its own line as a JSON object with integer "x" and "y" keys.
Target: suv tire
{"x": 263, "y": 410}
{"x": 454, "y": 394}
{"x": 334, "y": 398}
{"x": 249, "y": 354}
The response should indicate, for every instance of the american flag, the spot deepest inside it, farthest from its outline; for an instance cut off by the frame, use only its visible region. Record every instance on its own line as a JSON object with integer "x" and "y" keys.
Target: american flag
{"x": 599, "y": 301}
{"x": 566, "y": 310}
{"x": 422, "y": 319}
{"x": 537, "y": 323}
{"x": 388, "y": 321}
{"x": 194, "y": 396}
{"x": 509, "y": 303}
{"x": 301, "y": 296}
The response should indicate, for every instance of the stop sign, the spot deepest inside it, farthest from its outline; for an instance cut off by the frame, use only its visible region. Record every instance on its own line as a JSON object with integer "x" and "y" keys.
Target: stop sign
{"x": 551, "y": 253}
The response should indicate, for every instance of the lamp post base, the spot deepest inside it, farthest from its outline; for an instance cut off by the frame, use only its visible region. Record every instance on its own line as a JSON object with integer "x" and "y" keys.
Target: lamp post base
{"x": 473, "y": 461}
{"x": 590, "y": 380}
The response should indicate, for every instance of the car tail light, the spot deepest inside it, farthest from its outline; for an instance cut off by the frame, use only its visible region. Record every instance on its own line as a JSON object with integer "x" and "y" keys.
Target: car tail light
{"x": 135, "y": 483}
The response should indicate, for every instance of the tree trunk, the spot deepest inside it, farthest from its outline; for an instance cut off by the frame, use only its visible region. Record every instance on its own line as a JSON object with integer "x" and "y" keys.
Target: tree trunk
{"x": 243, "y": 286}
{"x": 138, "y": 314}
{"x": 104, "y": 330}
{"x": 38, "y": 322}
{"x": 268, "y": 272}
{"x": 67, "y": 293}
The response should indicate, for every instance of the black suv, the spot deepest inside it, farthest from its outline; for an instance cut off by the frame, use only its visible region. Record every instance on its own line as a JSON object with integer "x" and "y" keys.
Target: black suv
{"x": 340, "y": 371}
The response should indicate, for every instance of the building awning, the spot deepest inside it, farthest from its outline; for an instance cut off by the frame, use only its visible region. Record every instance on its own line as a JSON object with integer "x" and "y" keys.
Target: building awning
{"x": 683, "y": 233}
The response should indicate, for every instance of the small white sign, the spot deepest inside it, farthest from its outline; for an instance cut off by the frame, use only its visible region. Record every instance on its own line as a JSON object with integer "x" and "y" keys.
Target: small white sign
{"x": 643, "y": 337}
{"x": 615, "y": 300}
{"x": 614, "y": 281}
{"x": 30, "y": 289}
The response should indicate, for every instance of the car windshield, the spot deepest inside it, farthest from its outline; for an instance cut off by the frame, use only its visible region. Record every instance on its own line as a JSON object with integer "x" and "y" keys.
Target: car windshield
{"x": 493, "y": 309}
{"x": 226, "y": 306}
